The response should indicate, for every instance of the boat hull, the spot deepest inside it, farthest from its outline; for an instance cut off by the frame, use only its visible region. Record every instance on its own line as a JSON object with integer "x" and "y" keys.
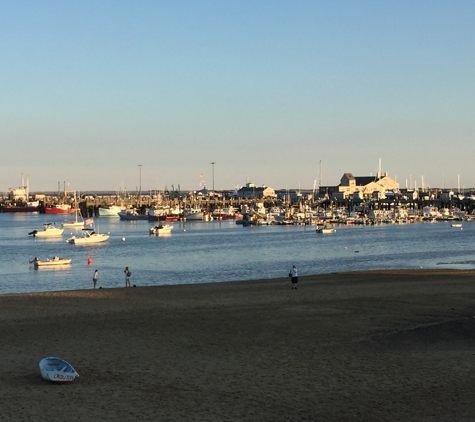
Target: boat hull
{"x": 112, "y": 211}
{"x": 161, "y": 230}
{"x": 132, "y": 216}
{"x": 73, "y": 224}
{"x": 49, "y": 233}
{"x": 58, "y": 210}
{"x": 21, "y": 209}
{"x": 57, "y": 370}
{"x": 53, "y": 262}
{"x": 88, "y": 240}
{"x": 325, "y": 231}
{"x": 195, "y": 216}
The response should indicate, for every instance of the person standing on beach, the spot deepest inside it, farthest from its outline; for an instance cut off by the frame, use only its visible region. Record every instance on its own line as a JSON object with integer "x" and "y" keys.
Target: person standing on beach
{"x": 295, "y": 276}
{"x": 127, "y": 276}
{"x": 95, "y": 277}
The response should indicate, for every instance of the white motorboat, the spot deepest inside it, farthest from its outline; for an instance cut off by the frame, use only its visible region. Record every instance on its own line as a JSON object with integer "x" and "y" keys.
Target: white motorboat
{"x": 326, "y": 229}
{"x": 110, "y": 211}
{"x": 57, "y": 370}
{"x": 49, "y": 230}
{"x": 50, "y": 262}
{"x": 89, "y": 236}
{"x": 161, "y": 229}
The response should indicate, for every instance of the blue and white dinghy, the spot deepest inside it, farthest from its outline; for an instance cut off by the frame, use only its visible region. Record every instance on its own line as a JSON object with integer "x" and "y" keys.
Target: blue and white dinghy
{"x": 57, "y": 370}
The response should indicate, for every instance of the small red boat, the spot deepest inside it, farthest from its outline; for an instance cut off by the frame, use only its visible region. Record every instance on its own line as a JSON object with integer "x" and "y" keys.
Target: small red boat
{"x": 59, "y": 209}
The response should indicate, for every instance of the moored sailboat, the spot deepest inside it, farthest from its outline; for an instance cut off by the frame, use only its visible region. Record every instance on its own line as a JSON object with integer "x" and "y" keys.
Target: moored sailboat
{"x": 77, "y": 222}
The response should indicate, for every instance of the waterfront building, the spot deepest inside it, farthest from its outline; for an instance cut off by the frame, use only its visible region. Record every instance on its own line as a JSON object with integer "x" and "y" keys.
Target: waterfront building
{"x": 363, "y": 186}
{"x": 250, "y": 191}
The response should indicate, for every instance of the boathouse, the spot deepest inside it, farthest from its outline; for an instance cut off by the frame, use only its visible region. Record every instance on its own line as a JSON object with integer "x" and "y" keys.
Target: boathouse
{"x": 250, "y": 191}
{"x": 368, "y": 186}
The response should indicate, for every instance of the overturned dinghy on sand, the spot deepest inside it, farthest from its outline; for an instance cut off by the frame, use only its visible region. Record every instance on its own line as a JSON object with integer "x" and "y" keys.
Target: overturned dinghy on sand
{"x": 57, "y": 370}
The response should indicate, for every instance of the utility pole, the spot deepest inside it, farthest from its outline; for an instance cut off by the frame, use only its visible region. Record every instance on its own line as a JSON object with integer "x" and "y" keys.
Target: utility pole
{"x": 140, "y": 184}
{"x": 212, "y": 172}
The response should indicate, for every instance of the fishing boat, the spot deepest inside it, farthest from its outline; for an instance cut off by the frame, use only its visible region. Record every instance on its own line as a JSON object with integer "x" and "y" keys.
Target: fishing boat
{"x": 161, "y": 213}
{"x": 326, "y": 229}
{"x": 59, "y": 209}
{"x": 161, "y": 229}
{"x": 50, "y": 262}
{"x": 88, "y": 236}
{"x": 194, "y": 214}
{"x": 77, "y": 222}
{"x": 227, "y": 213}
{"x": 132, "y": 215}
{"x": 49, "y": 230}
{"x": 57, "y": 370}
{"x": 28, "y": 207}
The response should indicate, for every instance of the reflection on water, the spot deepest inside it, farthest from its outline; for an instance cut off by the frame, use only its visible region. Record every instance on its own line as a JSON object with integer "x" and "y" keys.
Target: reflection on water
{"x": 200, "y": 252}
{"x": 52, "y": 268}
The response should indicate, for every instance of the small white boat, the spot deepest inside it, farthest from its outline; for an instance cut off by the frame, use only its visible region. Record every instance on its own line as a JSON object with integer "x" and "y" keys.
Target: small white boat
{"x": 110, "y": 211}
{"x": 457, "y": 225}
{"x": 78, "y": 220}
{"x": 49, "y": 230}
{"x": 73, "y": 224}
{"x": 161, "y": 229}
{"x": 55, "y": 261}
{"x": 89, "y": 236}
{"x": 57, "y": 370}
{"x": 326, "y": 229}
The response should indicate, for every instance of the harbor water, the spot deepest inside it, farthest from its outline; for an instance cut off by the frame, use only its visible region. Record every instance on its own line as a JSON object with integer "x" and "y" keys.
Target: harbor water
{"x": 219, "y": 251}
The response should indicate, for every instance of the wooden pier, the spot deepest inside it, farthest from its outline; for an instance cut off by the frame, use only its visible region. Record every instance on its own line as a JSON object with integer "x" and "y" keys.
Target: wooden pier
{"x": 90, "y": 207}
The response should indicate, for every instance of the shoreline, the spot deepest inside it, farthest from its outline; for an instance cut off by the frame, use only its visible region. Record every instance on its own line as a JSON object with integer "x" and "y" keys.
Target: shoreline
{"x": 356, "y": 346}
{"x": 310, "y": 277}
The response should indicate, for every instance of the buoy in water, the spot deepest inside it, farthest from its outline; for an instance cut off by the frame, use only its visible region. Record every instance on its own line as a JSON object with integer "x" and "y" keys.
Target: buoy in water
{"x": 89, "y": 261}
{"x": 123, "y": 239}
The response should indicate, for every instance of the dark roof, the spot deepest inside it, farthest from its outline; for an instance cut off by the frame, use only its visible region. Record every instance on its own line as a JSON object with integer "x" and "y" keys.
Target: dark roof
{"x": 364, "y": 180}
{"x": 253, "y": 189}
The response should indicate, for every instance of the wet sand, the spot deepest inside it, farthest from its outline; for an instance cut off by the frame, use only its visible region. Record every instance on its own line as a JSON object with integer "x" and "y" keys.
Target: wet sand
{"x": 363, "y": 346}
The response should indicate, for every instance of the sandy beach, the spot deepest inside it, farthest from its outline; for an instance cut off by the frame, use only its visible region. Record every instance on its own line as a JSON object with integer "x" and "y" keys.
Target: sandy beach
{"x": 363, "y": 346}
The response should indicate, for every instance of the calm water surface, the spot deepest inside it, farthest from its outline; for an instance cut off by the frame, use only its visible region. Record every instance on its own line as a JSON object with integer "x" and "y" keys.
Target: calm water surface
{"x": 199, "y": 252}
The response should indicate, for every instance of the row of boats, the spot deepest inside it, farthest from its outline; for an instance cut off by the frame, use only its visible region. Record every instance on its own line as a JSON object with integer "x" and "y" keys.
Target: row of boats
{"x": 171, "y": 214}
{"x": 89, "y": 235}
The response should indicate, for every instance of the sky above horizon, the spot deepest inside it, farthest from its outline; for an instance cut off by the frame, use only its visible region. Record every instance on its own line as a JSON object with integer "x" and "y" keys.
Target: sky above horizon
{"x": 113, "y": 94}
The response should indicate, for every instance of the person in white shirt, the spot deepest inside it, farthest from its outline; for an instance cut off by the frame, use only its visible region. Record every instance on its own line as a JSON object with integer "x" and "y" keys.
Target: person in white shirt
{"x": 295, "y": 276}
{"x": 95, "y": 277}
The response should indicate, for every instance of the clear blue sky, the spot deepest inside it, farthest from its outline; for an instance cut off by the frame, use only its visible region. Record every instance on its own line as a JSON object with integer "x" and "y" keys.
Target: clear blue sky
{"x": 266, "y": 89}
